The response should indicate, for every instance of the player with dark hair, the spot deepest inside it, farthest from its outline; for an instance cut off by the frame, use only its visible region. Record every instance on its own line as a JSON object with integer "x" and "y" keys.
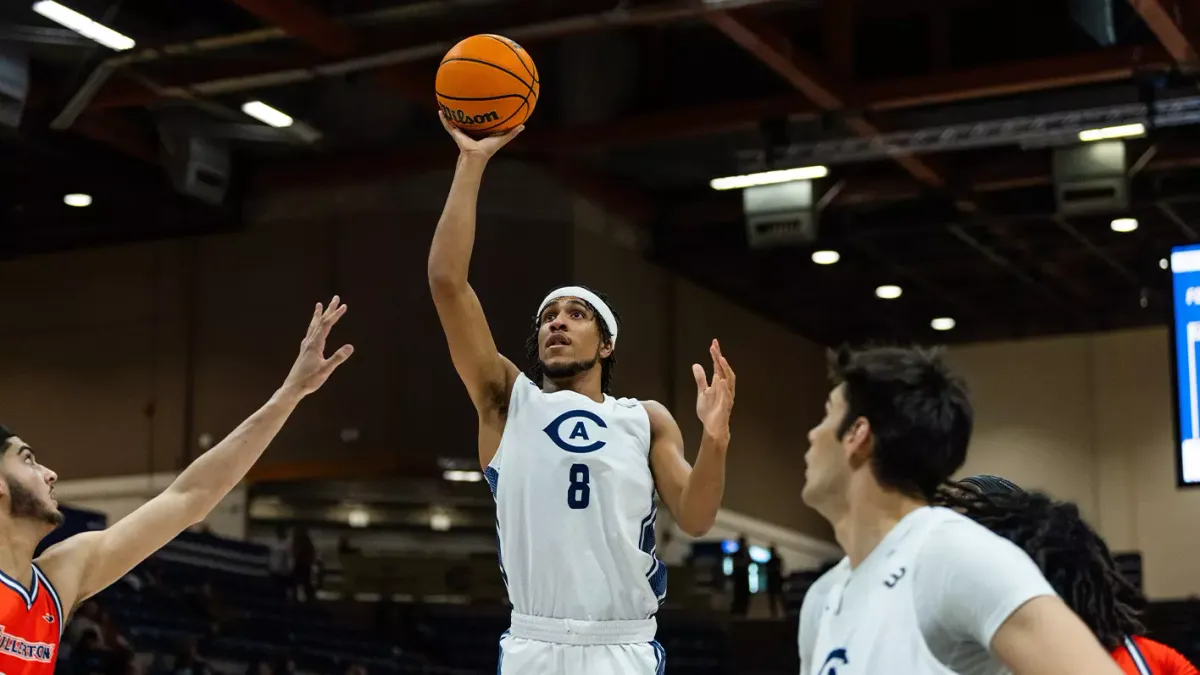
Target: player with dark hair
{"x": 41, "y": 595}
{"x": 1076, "y": 562}
{"x": 574, "y": 471}
{"x": 922, "y": 590}
{"x": 537, "y": 369}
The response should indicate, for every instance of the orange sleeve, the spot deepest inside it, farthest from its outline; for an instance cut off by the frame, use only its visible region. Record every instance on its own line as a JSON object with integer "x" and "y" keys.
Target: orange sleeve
{"x": 1165, "y": 660}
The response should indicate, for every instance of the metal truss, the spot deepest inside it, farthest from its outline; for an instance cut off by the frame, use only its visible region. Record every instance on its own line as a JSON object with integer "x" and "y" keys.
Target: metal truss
{"x": 1046, "y": 128}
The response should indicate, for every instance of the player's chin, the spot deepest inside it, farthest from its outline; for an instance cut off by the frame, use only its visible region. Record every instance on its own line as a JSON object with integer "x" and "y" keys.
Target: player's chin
{"x": 558, "y": 357}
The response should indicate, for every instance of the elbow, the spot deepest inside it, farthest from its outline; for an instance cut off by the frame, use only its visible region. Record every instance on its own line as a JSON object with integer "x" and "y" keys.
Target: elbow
{"x": 696, "y": 527}
{"x": 443, "y": 284}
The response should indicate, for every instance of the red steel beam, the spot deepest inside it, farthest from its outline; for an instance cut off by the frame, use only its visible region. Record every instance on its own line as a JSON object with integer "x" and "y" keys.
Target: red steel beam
{"x": 119, "y": 133}
{"x": 775, "y": 50}
{"x": 1165, "y": 20}
{"x": 323, "y": 34}
{"x": 1106, "y": 65}
{"x": 312, "y": 27}
{"x": 305, "y": 23}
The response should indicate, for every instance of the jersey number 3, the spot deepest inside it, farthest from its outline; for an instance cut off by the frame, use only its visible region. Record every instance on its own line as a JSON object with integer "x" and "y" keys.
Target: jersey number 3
{"x": 579, "y": 493}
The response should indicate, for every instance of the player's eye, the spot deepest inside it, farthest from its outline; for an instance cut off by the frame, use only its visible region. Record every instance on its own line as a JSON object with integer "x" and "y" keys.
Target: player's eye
{"x": 577, "y": 315}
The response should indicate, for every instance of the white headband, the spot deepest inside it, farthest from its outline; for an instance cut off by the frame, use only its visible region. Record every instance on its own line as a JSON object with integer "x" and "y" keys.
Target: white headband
{"x": 606, "y": 315}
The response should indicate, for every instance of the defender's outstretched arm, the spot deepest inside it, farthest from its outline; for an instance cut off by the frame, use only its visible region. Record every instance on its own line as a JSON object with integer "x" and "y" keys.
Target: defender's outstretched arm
{"x": 86, "y": 564}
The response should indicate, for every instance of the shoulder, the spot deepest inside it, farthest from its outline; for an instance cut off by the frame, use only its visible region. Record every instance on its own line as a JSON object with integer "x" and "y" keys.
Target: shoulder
{"x": 968, "y": 580}
{"x": 956, "y": 547}
{"x": 657, "y": 411}
{"x": 820, "y": 589}
{"x": 64, "y": 563}
{"x": 1161, "y": 657}
{"x": 662, "y": 422}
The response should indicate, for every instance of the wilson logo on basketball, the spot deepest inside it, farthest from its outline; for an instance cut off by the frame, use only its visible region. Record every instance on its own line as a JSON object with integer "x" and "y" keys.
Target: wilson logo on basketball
{"x": 460, "y": 117}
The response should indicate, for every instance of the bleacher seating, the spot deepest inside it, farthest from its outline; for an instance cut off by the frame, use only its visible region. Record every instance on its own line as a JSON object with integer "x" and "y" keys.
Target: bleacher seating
{"x": 220, "y": 594}
{"x": 163, "y": 603}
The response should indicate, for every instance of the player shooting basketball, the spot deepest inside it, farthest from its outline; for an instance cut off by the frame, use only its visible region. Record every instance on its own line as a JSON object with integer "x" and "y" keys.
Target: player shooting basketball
{"x": 573, "y": 470}
{"x": 41, "y": 595}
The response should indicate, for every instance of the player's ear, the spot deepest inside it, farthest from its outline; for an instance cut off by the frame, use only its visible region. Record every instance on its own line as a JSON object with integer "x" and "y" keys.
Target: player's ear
{"x": 857, "y": 442}
{"x": 606, "y": 348}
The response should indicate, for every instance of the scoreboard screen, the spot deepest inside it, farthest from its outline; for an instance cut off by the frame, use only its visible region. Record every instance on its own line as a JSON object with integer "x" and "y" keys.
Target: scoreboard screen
{"x": 1185, "y": 340}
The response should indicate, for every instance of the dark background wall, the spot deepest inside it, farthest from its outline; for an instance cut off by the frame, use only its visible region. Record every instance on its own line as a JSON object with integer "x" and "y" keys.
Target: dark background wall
{"x": 117, "y": 361}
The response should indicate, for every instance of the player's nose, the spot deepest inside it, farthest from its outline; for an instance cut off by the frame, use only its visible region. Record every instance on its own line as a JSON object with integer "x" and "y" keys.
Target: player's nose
{"x": 51, "y": 477}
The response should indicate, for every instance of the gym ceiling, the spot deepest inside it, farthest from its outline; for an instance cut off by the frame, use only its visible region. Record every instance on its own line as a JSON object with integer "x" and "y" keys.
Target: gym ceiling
{"x": 938, "y": 122}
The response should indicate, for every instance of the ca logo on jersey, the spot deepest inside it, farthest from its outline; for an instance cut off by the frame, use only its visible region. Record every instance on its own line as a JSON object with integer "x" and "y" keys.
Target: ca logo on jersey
{"x": 836, "y": 658}
{"x": 577, "y": 431}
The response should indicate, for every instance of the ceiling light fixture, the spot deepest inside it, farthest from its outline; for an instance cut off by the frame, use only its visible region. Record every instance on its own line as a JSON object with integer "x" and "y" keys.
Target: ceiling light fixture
{"x": 1124, "y": 224}
{"x": 826, "y": 257}
{"x": 267, "y": 115}
{"x": 1106, "y": 133}
{"x": 888, "y": 292}
{"x": 768, "y": 177}
{"x": 78, "y": 199}
{"x": 86, "y": 27}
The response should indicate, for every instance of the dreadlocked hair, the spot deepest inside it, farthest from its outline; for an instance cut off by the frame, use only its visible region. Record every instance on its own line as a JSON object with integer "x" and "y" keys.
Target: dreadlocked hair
{"x": 607, "y": 364}
{"x": 1072, "y": 557}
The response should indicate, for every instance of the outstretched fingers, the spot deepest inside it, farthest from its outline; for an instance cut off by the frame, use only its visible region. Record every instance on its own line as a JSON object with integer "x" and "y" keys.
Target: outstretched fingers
{"x": 701, "y": 378}
{"x": 722, "y": 368}
{"x": 338, "y": 358}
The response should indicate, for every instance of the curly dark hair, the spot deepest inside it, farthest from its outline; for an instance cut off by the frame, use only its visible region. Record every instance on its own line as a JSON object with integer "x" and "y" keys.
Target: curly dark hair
{"x": 607, "y": 364}
{"x": 1071, "y": 555}
{"x": 919, "y": 411}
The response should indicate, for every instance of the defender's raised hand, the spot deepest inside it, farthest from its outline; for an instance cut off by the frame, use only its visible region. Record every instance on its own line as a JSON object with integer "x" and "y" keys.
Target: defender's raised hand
{"x": 714, "y": 402}
{"x": 311, "y": 368}
{"x": 484, "y": 147}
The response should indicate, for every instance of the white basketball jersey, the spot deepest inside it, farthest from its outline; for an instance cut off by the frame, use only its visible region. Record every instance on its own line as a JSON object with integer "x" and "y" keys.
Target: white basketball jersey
{"x": 575, "y": 507}
{"x": 868, "y": 623}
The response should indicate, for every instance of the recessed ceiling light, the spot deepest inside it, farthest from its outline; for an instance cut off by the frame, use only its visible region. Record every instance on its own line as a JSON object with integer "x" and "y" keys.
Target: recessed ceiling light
{"x": 1124, "y": 224}
{"x": 888, "y": 292}
{"x": 942, "y": 323}
{"x": 825, "y": 257}
{"x": 1163, "y": 264}
{"x": 78, "y": 199}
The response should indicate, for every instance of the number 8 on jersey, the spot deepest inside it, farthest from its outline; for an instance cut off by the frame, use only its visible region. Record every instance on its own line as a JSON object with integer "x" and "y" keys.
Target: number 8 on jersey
{"x": 579, "y": 493}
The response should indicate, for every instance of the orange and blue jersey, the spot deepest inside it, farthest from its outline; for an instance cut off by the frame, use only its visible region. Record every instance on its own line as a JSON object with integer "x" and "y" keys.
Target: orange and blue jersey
{"x": 1143, "y": 656}
{"x": 31, "y": 626}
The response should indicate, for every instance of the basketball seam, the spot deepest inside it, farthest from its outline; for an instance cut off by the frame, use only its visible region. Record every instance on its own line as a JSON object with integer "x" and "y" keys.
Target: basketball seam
{"x": 524, "y": 103}
{"x": 518, "y": 78}
{"x": 517, "y": 54}
{"x": 480, "y": 98}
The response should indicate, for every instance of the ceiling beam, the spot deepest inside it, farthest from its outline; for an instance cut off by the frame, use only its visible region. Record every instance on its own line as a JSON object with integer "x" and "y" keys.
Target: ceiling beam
{"x": 1168, "y": 23}
{"x": 1105, "y": 65}
{"x": 839, "y": 38}
{"x": 776, "y": 51}
{"x": 119, "y": 133}
{"x": 331, "y": 39}
{"x": 1006, "y": 172}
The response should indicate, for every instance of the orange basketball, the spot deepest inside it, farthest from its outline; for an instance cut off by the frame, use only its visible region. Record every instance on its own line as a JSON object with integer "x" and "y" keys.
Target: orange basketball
{"x": 487, "y": 84}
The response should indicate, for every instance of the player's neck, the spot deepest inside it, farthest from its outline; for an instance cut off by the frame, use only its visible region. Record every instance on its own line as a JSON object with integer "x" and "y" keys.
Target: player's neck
{"x": 586, "y": 383}
{"x": 868, "y": 518}
{"x": 17, "y": 544}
